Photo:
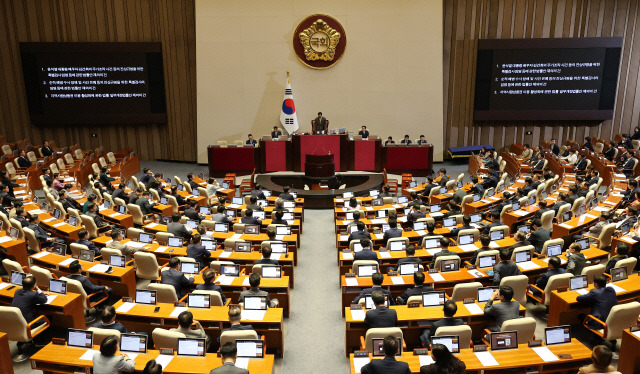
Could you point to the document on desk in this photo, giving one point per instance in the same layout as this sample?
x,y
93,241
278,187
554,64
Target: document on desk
x,y
4,285
114,215
40,254
99,268
521,213
344,238
474,308
275,256
475,273
359,362
351,282
545,354
436,214
234,206
397,280
611,203
50,298
152,225
36,211
245,281
67,261
601,209
242,362
368,208
582,291
177,310
437,277
566,225
225,254
59,224
125,307
397,206
636,333
347,256
384,254
88,355
164,360
617,288
338,200
425,360
135,244
236,236
357,314
402,219
486,359
49,219
224,280
4,239
378,221
132,356
468,247
433,251
252,315
528,265
562,261
161,249
280,237
421,232
494,245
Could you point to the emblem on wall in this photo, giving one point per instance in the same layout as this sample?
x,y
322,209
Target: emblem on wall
x,y
319,41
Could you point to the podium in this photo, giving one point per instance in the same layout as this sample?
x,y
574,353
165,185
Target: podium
x,y
319,166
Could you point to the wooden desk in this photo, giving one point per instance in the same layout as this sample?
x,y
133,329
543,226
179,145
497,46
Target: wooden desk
x,y
121,220
142,318
63,359
629,361
564,309
16,249
64,310
6,364
122,280
523,357
64,231
414,320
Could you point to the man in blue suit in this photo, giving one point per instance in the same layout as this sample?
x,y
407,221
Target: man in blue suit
x,y
601,299
450,308
28,297
388,365
175,277
197,251
366,253
377,279
381,316
75,268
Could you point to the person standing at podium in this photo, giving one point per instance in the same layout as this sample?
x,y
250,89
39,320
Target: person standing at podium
x,y
320,124
364,132
275,134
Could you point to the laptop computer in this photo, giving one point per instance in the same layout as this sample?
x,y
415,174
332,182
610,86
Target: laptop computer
x,y
283,230
504,340
145,238
190,267
496,235
369,304
221,227
435,208
278,247
515,206
491,192
385,227
524,228
377,202
475,218
402,199
465,239
209,245
348,216
237,200
366,270
164,200
347,195
57,213
252,229
566,216
484,293
289,204
230,270
14,233
374,193
431,243
73,220
58,286
230,213
487,261
204,210
255,303
175,241
523,256
271,271
258,215
191,347
243,247
87,255
17,278
122,209
557,335
145,297
118,261
476,198
413,184
397,246
421,225
619,274
433,298
378,347
449,222
408,269
578,282
452,342
79,338
191,223
554,250
382,213
196,300
584,243
133,343
449,265
225,185
251,348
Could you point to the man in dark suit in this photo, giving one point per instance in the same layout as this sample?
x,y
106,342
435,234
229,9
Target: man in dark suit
x,y
573,190
285,195
622,252
364,132
393,231
83,238
495,222
105,179
534,156
275,134
249,219
506,200
155,183
197,251
554,269
192,183
627,167
539,163
251,140
422,140
28,297
476,188
253,204
192,213
601,299
521,241
119,193
320,124
450,308
562,197
466,225
414,214
366,253
554,147
491,162
108,320
581,165
135,196
266,258
485,240
42,236
505,268
381,316
21,216
175,277
207,277
428,186
258,192
539,235
176,228
444,245
97,219
23,161
410,259
75,268
46,150
360,233
442,173
418,288
376,279
388,365
179,199
143,203
147,174
406,140
593,177
505,310
235,316
543,209
228,352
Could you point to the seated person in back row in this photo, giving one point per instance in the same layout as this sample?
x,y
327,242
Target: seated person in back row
x,y
417,290
250,140
249,219
381,316
235,316
554,269
388,365
466,225
253,204
360,233
266,258
376,279
393,231
108,320
192,213
83,238
278,220
622,252
601,299
286,195
450,308
444,244
190,327
505,268
505,310
175,277
366,253
485,240
410,259
197,251
406,140
178,229
208,276
254,282
75,268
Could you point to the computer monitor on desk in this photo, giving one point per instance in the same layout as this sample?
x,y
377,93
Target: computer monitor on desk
x,y
496,235
619,274
190,267
484,293
202,301
431,243
504,340
557,335
466,239
134,343
378,347
369,304
191,347
408,269
58,286
79,338
523,256
487,261
250,348
145,238
449,265
397,246
366,270
230,270
433,298
146,297
554,250
452,342
578,282
255,303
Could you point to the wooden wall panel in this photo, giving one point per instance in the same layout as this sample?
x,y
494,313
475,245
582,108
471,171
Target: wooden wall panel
x,y
466,21
171,22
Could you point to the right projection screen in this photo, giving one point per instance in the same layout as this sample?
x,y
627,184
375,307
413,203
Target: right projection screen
x,y
547,79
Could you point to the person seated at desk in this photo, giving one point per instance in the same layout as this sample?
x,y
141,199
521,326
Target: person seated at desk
x,y
626,141
75,268
428,187
414,214
627,167
46,150
526,152
476,188
278,219
175,277
630,192
253,204
623,156
212,186
450,308
103,227
386,191
47,175
466,225
458,195
494,217
208,277
185,324
58,182
137,194
554,148
521,241
352,205
257,191
538,163
538,235
27,298
363,132
444,362
491,162
144,204
393,231
381,316
554,269
21,216
119,193
155,182
228,352
192,213
418,288
147,174
42,236
485,240
442,174
453,210
601,299
406,140
389,141
410,259
505,268
576,260
360,233
377,279
542,204
266,258
572,158
431,228
178,229
251,140
107,362
320,124
179,199
562,200
596,229
389,364
444,245
622,252
105,179
286,195
197,251
601,357
83,238
609,151
108,320
276,133
366,253
506,200
534,156
100,188
422,140
254,282
581,164
249,219
235,316
23,161
152,367
192,183
505,310
220,217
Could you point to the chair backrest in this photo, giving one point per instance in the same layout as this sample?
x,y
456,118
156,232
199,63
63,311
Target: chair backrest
x,y
188,188
380,333
13,324
233,335
399,239
146,265
10,168
354,267
547,220
42,275
529,248
575,209
475,232
555,281
108,252
90,225
76,287
33,243
5,220
526,327
10,265
622,316
78,154
519,285
238,227
136,212
592,271
163,237
6,149
215,265
100,334
166,339
504,228
467,199
61,164
505,209
68,158
31,156
134,233
76,248
629,263
564,208
18,226
487,253
215,298
111,157
75,213
439,259
549,242
165,293
605,235
463,332
463,291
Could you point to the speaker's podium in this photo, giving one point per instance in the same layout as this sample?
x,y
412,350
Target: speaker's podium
x,y
319,166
